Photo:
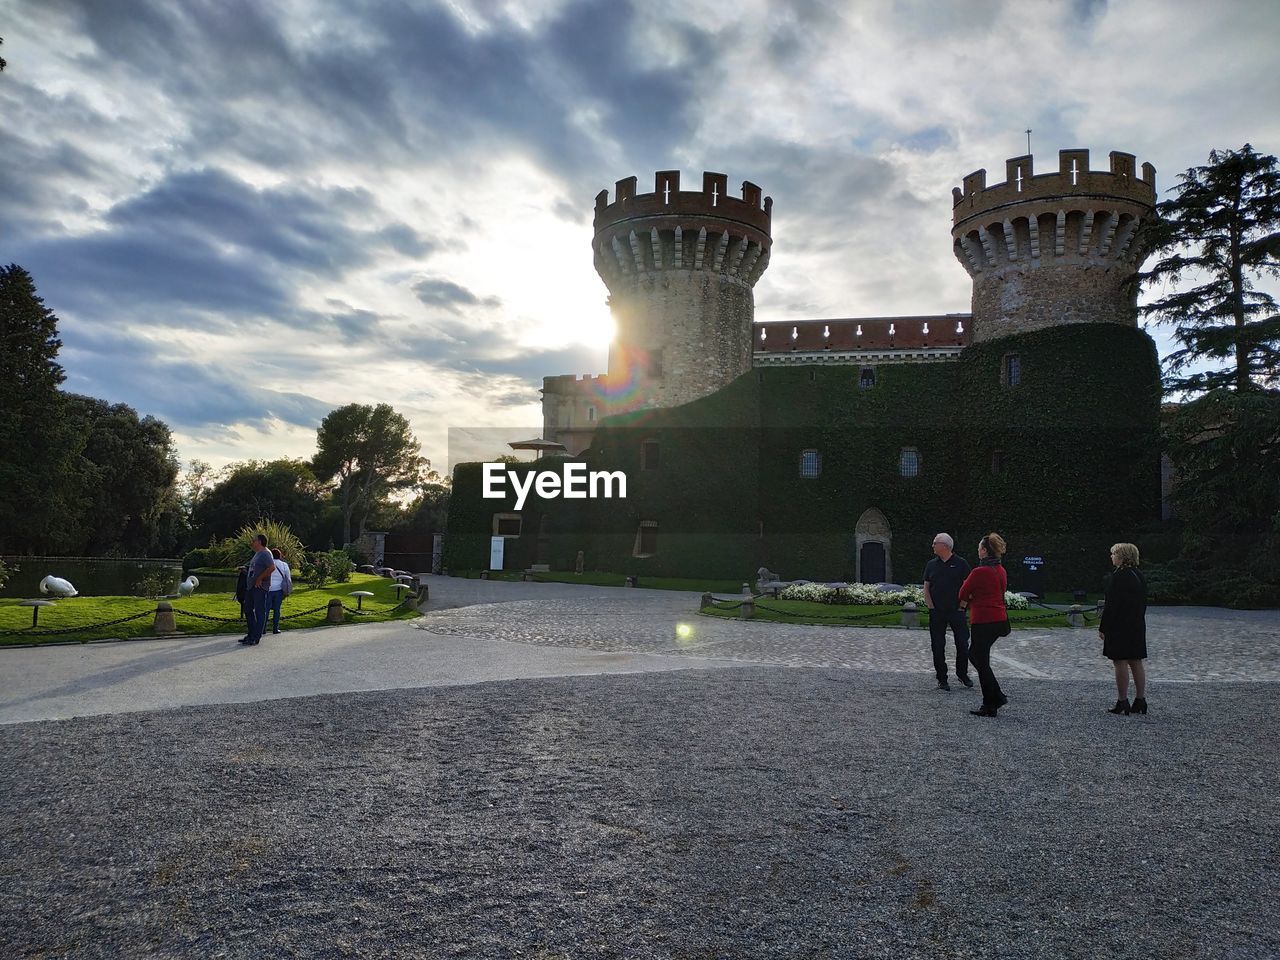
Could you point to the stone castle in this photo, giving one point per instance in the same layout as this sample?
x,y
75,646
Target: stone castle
x,y
1043,250
833,449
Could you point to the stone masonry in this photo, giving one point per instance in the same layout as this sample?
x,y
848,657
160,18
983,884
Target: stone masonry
x,y
1052,249
680,267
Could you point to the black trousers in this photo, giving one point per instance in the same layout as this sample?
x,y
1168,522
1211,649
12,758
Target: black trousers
x,y
939,620
984,637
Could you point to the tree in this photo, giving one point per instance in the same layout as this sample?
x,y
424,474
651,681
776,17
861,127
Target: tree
x,y
285,491
1222,231
371,451
428,512
37,444
127,495
1222,227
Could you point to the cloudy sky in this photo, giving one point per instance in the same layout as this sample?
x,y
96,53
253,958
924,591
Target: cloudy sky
x,y
248,213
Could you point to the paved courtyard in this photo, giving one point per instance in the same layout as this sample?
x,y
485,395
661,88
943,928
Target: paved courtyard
x,y
538,770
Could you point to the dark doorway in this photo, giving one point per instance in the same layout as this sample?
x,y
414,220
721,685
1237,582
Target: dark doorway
x,y
872,562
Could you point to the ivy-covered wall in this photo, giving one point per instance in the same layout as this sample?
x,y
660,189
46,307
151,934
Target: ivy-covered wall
x,y
1077,437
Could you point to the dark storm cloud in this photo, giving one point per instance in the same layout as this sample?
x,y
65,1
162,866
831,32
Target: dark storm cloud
x,y
181,392
409,80
437,292
204,240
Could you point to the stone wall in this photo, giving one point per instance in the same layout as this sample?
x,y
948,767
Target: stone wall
x,y
683,334
1021,297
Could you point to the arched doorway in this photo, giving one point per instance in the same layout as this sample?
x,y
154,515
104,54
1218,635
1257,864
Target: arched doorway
x,y
873,542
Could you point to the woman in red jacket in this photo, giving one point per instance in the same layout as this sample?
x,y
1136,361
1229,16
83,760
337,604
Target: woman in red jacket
x,y
983,595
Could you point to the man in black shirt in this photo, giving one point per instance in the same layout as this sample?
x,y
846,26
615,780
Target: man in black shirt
x,y
943,576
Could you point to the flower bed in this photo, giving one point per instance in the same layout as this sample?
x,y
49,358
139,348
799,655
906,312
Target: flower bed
x,y
868,594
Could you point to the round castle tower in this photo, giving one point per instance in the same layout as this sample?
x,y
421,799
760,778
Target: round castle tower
x,y
1052,249
680,267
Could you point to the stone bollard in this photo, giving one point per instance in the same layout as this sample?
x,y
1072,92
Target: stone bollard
x,y
579,563
747,610
746,589
335,613
631,582
424,594
484,574
707,601
1074,617
910,615
164,618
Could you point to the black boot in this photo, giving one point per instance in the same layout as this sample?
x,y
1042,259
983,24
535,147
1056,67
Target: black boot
x,y
984,711
1139,705
1122,706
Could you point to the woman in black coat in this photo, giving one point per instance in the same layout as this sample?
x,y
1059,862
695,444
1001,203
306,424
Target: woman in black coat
x,y
242,591
1124,628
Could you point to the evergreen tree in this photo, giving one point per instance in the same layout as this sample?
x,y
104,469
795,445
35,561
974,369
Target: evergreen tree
x,y
372,452
1222,229
38,453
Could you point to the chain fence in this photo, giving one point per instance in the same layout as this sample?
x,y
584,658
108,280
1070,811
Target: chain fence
x,y
405,601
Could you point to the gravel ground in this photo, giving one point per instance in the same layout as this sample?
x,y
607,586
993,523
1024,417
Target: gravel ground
x,y
752,812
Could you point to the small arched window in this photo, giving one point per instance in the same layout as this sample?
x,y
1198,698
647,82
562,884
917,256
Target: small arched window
x,y
591,414
867,378
909,462
810,464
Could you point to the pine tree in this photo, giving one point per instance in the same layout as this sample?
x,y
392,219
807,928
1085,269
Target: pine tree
x,y
1221,229
38,447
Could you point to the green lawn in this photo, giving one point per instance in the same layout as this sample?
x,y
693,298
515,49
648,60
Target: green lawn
x,y
597,578
861,615
213,598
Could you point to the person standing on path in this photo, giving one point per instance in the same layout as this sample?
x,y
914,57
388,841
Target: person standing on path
x,y
259,576
1123,629
280,586
982,593
943,576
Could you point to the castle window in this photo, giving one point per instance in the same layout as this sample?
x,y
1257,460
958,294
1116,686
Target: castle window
x,y
760,377
909,462
813,376
867,378
655,364
1011,370
810,464
591,414
507,525
997,462
649,455
646,544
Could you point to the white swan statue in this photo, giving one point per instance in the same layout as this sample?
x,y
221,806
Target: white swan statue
x,y
58,587
188,586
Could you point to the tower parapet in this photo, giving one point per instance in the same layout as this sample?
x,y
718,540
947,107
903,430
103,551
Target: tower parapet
x,y
1056,248
681,266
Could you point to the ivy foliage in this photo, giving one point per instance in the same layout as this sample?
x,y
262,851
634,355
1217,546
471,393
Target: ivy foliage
x,y
1079,434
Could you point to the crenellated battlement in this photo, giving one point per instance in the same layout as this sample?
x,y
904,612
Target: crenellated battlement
x,y
1054,248
669,201
1073,179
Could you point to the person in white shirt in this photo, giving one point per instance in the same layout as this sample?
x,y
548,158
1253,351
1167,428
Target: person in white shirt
x,y
281,586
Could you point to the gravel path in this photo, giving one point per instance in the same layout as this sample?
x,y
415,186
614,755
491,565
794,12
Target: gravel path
x,y
752,812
